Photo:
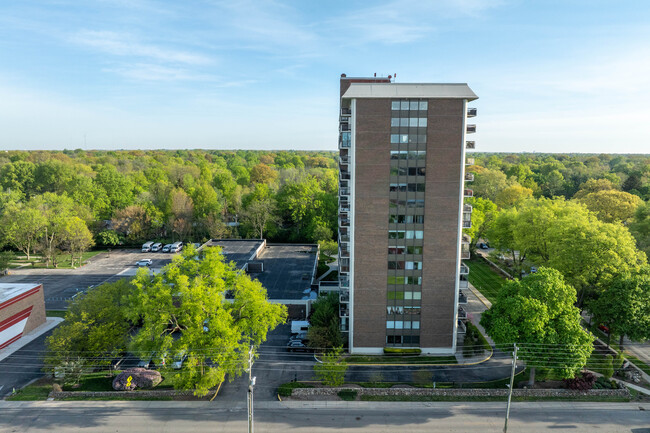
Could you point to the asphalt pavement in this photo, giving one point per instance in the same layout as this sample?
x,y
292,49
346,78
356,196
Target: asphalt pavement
x,y
316,417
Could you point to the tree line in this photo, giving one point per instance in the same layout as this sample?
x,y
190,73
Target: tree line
x,y
68,201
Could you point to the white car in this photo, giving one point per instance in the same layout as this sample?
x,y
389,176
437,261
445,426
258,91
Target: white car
x,y
144,262
156,247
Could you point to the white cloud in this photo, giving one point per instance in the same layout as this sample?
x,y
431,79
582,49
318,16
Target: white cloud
x,y
128,46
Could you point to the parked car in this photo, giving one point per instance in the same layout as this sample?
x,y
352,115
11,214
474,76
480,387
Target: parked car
x,y
604,328
156,247
298,346
179,358
176,247
144,262
166,248
483,246
146,247
533,269
146,361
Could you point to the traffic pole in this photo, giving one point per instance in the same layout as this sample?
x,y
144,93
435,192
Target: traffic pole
x,y
512,383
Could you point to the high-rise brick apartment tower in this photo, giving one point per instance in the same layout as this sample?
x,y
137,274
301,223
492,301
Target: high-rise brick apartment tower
x,y
401,213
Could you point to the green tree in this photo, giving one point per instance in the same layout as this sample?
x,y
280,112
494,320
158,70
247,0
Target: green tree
x,y
612,206
538,314
594,185
624,306
6,257
259,214
483,213
205,308
95,328
108,238
512,195
22,226
640,227
331,370
489,183
324,326
76,238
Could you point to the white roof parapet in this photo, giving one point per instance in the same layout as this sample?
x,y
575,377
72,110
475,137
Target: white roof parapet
x,y
410,90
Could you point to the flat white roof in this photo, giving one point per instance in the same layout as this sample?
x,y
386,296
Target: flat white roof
x,y
410,90
11,290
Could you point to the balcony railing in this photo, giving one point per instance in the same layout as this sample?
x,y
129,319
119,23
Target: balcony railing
x,y
471,129
466,239
344,175
471,112
345,139
344,208
344,238
348,111
344,191
344,222
470,145
465,254
469,161
462,298
467,208
344,269
462,314
345,127
344,295
464,269
467,224
344,311
468,193
469,177
344,327
461,327
463,284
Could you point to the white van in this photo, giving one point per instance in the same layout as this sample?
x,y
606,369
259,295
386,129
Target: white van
x,y
176,247
298,326
156,247
146,247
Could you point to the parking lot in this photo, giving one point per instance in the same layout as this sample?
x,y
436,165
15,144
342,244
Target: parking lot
x,y
61,285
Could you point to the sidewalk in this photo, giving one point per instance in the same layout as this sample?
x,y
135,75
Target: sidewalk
x,y
50,323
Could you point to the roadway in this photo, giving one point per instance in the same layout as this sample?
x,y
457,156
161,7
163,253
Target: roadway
x,y
316,417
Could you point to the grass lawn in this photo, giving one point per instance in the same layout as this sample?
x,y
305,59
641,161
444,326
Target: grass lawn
x,y
38,390
63,262
55,313
484,278
99,381
393,359
614,345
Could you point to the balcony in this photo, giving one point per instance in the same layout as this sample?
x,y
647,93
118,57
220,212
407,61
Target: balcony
x,y
470,145
471,112
344,251
464,252
344,191
344,283
463,284
345,140
344,160
344,175
464,269
467,224
344,311
462,314
470,129
469,177
461,327
344,238
344,327
468,193
344,222
344,296
462,298
469,161
348,112
467,208
345,127
466,239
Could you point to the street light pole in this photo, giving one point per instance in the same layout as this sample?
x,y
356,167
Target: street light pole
x,y
512,383
251,384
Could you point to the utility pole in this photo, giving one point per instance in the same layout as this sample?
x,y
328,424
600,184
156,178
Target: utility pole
x,y
512,383
251,384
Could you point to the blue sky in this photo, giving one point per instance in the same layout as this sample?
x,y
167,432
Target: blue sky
x,y
552,76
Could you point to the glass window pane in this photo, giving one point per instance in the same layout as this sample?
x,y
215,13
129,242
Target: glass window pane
x,y
408,295
415,325
390,324
394,138
424,105
404,121
404,138
422,122
417,295
405,105
414,105
398,324
395,105
394,121
413,122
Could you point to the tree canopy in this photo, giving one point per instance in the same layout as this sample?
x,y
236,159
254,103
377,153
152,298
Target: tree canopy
x,y
206,309
538,314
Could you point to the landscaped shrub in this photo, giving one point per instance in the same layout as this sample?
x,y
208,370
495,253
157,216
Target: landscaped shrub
x,y
583,382
608,367
286,389
400,351
134,378
602,383
347,395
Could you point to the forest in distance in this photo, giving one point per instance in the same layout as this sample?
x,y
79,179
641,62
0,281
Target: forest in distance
x,y
65,201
